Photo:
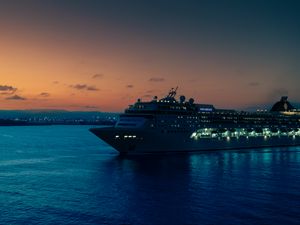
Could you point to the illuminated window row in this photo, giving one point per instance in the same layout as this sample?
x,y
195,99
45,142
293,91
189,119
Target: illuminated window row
x,y
218,133
125,136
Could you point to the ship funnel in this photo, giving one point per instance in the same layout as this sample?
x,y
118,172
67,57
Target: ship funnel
x,y
282,106
284,98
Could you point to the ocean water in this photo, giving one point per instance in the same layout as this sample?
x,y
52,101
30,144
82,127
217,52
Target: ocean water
x,y
65,175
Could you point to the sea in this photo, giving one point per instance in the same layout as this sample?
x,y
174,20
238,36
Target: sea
x,y
66,175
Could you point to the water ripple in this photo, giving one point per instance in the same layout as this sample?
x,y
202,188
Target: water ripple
x,y
64,175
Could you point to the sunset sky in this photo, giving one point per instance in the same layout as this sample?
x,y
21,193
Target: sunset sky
x,y
103,55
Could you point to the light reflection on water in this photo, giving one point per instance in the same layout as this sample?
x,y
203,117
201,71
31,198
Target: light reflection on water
x,y
63,174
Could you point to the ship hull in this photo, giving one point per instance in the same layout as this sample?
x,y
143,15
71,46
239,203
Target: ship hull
x,y
140,141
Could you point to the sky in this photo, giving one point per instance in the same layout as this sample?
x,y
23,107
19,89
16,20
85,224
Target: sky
x,y
102,55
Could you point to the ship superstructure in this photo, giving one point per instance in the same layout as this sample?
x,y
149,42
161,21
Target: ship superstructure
x,y
171,125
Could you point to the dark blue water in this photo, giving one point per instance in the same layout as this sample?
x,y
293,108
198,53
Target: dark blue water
x,y
65,175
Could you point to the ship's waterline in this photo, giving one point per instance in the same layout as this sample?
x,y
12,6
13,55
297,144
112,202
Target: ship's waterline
x,y
140,141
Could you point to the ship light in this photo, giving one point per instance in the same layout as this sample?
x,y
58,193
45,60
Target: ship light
x,y
193,135
125,136
117,136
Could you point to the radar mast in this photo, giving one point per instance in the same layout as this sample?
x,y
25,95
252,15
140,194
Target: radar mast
x,y
172,92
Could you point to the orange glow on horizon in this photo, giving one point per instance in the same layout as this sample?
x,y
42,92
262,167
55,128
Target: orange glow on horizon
x,y
66,60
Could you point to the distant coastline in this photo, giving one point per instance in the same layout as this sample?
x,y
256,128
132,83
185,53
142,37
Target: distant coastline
x,y
55,117
25,123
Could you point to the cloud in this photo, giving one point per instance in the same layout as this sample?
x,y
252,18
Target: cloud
x,y
44,94
156,79
77,106
97,75
91,107
15,97
84,87
129,86
150,91
6,90
92,88
254,84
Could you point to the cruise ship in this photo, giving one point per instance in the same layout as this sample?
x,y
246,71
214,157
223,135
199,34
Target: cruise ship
x,y
178,125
